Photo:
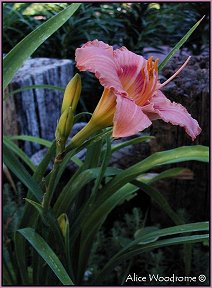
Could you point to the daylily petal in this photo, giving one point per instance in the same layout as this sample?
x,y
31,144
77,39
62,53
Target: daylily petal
x,y
97,57
172,112
129,118
129,70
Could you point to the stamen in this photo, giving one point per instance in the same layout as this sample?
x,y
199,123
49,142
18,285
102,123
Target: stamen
x,y
150,80
176,73
156,64
149,67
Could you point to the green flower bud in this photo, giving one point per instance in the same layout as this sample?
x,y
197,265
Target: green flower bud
x,y
72,94
63,224
64,126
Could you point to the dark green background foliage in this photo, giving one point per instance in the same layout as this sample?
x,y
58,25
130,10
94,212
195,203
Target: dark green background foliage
x,y
159,261
134,25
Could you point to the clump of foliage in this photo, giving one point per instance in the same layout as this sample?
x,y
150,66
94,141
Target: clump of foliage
x,y
159,261
12,208
136,25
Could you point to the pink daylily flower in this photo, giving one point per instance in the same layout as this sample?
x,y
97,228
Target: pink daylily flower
x,y
132,98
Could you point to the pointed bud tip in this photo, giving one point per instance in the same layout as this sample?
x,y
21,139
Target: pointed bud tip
x,y
72,93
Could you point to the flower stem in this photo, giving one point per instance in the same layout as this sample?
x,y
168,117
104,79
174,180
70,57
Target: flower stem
x,y
50,189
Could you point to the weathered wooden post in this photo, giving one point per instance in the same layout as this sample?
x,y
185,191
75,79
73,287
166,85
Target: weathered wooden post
x,y
36,111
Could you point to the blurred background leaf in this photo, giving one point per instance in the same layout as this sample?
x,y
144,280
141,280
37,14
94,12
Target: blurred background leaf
x,y
137,26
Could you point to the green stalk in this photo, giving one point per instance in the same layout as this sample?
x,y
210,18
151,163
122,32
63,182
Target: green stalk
x,y
51,187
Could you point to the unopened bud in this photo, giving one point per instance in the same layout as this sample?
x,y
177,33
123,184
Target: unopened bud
x,y
72,93
64,126
64,224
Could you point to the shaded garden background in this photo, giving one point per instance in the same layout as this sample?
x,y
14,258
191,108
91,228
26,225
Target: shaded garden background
x,y
143,28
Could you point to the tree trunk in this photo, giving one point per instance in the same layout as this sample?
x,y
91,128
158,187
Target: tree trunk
x,y
35,112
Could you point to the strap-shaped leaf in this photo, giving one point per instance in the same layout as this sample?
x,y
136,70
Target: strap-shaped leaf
x,y
29,217
179,172
110,194
178,45
45,251
160,200
49,220
69,192
15,58
32,139
97,216
135,247
131,142
8,275
69,152
118,190
13,147
105,162
181,154
81,115
138,250
19,170
25,88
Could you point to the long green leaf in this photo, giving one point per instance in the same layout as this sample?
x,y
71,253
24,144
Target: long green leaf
x,y
105,162
112,188
25,88
41,169
81,115
185,153
138,250
7,273
69,155
15,58
178,172
131,142
34,139
19,170
118,190
13,147
64,226
97,216
135,247
83,258
44,250
178,45
30,216
170,231
160,200
49,220
101,135
21,256
69,192
87,209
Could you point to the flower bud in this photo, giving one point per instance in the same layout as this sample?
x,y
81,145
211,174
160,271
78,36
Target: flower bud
x,y
102,117
64,126
63,224
72,94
